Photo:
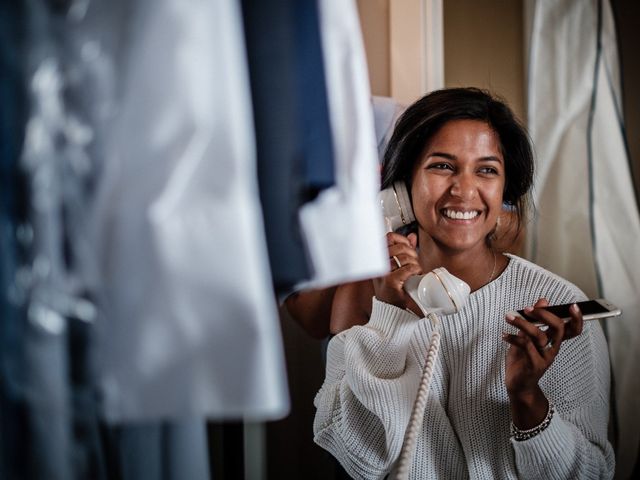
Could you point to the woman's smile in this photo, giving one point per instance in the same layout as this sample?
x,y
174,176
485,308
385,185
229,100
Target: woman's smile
x,y
465,216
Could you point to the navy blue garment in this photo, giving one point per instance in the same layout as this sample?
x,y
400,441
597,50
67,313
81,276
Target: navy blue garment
x,y
315,138
270,41
13,211
269,36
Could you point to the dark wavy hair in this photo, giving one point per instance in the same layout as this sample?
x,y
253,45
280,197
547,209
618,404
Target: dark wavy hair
x,y
422,120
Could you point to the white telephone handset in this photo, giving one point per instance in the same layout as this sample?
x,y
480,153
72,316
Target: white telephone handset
x,y
436,292
396,206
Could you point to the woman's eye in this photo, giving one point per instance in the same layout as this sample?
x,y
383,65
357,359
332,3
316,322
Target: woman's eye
x,y
440,166
489,170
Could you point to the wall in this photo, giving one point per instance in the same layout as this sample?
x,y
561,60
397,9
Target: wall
x,y
374,17
483,47
627,15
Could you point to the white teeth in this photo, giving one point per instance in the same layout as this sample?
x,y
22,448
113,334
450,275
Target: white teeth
x,y
460,215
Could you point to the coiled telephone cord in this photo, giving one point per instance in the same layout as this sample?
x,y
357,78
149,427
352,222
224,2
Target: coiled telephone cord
x,y
417,413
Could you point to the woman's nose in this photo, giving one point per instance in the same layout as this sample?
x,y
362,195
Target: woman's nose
x,y
463,187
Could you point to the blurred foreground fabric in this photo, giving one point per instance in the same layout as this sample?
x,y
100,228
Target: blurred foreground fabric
x,y
139,289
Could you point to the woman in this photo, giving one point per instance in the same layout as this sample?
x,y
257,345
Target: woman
x,y
507,399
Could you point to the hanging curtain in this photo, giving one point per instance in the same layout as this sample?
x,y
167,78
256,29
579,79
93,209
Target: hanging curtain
x,y
587,223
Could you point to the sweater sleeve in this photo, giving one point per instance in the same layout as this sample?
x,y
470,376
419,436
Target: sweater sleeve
x,y
575,444
364,404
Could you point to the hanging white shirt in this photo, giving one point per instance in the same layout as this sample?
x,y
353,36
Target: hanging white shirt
x,y
189,324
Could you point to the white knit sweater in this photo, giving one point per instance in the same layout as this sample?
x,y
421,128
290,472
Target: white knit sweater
x,y
373,372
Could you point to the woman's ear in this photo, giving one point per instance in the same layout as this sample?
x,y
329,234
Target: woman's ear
x,y
413,240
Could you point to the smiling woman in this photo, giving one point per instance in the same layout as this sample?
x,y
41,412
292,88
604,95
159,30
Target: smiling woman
x,y
508,400
457,190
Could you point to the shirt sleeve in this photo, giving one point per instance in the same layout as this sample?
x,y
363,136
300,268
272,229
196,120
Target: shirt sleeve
x,y
575,444
364,404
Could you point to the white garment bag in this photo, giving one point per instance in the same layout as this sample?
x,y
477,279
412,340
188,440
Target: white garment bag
x,y
189,321
343,226
587,227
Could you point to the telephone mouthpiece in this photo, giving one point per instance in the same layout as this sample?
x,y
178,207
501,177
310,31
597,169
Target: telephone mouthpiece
x,y
440,290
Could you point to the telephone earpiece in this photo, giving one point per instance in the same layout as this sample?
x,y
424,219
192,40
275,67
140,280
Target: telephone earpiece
x,y
396,206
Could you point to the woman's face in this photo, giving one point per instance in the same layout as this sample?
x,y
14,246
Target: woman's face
x,y
457,185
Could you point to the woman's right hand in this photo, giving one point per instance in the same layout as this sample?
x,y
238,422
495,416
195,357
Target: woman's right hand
x,y
389,287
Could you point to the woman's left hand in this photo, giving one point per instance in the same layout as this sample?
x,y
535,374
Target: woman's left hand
x,y
533,350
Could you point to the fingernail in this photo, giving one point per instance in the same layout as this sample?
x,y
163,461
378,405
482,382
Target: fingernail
x,y
510,318
528,309
575,308
505,335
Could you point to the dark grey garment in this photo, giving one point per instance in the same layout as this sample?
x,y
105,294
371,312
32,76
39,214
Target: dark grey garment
x,y
158,451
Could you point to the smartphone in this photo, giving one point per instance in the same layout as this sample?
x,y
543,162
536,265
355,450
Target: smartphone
x,y
591,310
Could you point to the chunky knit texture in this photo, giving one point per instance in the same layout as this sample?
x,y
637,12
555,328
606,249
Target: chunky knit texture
x,y
373,372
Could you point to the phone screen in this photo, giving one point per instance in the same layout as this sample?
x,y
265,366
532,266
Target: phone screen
x,y
587,308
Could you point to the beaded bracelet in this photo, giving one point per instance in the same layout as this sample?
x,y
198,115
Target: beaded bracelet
x,y
522,435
